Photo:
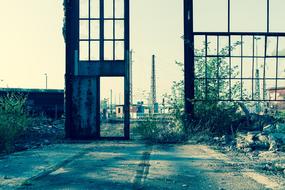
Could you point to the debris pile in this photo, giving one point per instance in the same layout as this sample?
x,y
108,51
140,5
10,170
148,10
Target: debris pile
x,y
40,134
271,138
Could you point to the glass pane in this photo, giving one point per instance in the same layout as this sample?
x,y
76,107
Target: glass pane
x,y
199,44
119,50
281,68
236,49
281,46
270,69
108,9
94,51
236,67
95,9
271,46
84,51
108,51
247,48
84,29
210,16
95,29
108,29
277,15
224,45
247,89
259,46
84,9
247,67
212,45
119,30
248,16
119,5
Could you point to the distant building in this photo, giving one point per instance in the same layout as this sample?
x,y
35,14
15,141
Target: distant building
x,y
120,111
40,101
277,94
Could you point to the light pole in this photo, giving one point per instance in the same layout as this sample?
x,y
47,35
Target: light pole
x,y
46,80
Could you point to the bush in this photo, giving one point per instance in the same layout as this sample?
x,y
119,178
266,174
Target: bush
x,y
13,120
161,130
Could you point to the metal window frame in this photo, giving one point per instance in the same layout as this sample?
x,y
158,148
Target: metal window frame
x,y
189,57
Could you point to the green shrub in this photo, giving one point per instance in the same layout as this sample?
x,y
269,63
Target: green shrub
x,y
161,130
13,119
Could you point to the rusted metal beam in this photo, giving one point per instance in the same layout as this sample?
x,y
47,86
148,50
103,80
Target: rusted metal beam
x,y
188,58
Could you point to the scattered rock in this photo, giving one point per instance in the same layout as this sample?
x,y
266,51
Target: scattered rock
x,y
280,128
279,166
247,150
269,129
7,177
262,138
46,142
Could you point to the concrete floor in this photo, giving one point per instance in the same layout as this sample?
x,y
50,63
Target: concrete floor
x,y
118,165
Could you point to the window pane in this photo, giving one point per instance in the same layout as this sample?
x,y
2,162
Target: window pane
x,y
281,46
95,29
247,46
210,16
236,49
108,29
119,9
119,29
84,29
84,51
84,7
95,9
94,51
248,16
108,50
119,50
281,68
212,45
108,8
224,45
270,69
271,46
277,15
259,45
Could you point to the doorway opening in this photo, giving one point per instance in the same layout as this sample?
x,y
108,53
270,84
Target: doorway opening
x,y
112,104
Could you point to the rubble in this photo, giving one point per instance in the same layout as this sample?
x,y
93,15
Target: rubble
x,y
41,134
270,138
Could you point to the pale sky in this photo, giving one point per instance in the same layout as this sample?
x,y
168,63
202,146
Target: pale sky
x,y
31,41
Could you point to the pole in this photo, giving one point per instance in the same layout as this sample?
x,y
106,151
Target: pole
x,y
257,83
111,102
188,59
46,80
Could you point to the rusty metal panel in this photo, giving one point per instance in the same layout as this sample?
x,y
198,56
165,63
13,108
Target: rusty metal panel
x,y
98,69
84,106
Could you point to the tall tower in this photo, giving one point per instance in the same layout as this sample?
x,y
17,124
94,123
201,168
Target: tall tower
x,y
257,80
153,85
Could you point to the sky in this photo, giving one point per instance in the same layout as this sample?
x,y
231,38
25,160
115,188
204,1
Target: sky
x,y
31,42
